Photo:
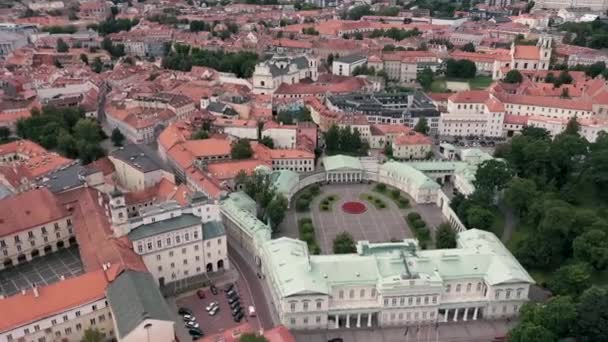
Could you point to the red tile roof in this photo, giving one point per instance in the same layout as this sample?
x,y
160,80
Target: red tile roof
x,y
28,210
470,96
527,52
412,138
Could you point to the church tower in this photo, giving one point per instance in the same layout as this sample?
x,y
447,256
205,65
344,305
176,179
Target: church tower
x,y
545,49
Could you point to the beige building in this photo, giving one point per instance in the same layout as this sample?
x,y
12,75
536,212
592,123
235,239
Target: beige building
x,y
411,145
135,170
32,224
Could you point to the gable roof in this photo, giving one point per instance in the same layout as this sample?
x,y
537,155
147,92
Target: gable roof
x,y
135,297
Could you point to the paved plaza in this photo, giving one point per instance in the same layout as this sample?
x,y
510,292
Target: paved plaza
x,y
43,270
375,225
478,331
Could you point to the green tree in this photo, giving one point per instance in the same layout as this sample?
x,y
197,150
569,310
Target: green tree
x,y
445,236
468,47
332,138
479,217
267,141
97,65
248,337
425,78
529,332
573,127
492,175
241,149
87,130
519,194
84,58
592,310
344,244
422,126
592,247
276,210
388,150
200,134
117,137
92,335
66,144
513,76
5,134
571,280
62,46
357,12
460,68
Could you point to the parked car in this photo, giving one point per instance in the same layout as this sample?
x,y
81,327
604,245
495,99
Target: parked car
x,y
192,324
252,311
235,304
337,339
233,299
238,317
237,311
184,311
214,311
200,293
189,318
231,293
229,287
196,332
211,306
213,289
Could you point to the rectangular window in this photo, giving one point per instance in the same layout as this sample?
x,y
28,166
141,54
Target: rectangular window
x,y
78,327
187,237
68,331
53,322
292,307
159,243
319,303
77,313
178,239
305,306
65,318
92,321
195,235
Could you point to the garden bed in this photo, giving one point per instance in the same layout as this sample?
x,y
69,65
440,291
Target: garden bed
x,y
354,207
306,233
375,201
327,203
420,230
394,194
305,197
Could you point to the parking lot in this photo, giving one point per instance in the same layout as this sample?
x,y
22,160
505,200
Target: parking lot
x,y
43,270
223,319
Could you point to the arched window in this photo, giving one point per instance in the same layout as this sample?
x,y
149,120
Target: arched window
x,y
469,287
448,288
458,288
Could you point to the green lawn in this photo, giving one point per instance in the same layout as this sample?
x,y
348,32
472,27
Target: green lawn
x,y
479,82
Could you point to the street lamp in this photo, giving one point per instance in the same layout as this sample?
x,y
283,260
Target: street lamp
x,y
147,326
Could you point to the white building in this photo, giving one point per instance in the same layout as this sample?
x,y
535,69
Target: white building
x,y
283,136
178,242
344,66
270,74
595,5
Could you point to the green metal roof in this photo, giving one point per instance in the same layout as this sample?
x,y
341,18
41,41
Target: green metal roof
x,y
213,229
284,180
418,178
341,162
160,227
134,297
241,209
425,166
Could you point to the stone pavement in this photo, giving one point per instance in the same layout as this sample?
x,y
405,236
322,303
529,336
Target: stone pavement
x,y
478,331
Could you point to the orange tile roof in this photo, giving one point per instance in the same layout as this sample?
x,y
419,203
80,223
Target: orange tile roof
x,y
470,96
52,299
29,209
516,119
412,138
527,52
390,129
229,170
208,147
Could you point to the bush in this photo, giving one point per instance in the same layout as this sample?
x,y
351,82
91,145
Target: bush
x,y
306,228
324,208
302,204
381,187
315,189
313,248
306,195
396,193
309,237
382,205
404,201
330,198
305,220
413,216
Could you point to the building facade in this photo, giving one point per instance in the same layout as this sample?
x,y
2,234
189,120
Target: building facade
x,y
269,75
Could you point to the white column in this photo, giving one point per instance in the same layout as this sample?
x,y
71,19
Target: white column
x,y
348,320
475,313
445,317
455,315
369,320
359,320
466,311
337,321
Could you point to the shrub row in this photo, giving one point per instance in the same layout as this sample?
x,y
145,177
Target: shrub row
x,y
419,228
394,194
306,196
307,234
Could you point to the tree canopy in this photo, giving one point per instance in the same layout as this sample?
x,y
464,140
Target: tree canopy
x,y
513,76
182,58
345,141
344,244
462,68
445,236
241,149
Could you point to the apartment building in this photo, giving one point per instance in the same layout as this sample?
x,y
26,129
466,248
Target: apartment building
x,y
295,160
595,5
135,170
344,66
403,66
411,145
32,224
283,136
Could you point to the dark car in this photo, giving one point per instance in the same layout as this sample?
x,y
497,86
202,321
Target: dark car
x,y
214,289
196,332
235,304
184,311
236,311
238,317
233,299
337,339
229,287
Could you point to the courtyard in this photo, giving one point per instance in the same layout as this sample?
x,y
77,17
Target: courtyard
x,y
41,271
375,224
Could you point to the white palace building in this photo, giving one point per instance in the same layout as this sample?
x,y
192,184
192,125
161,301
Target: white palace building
x,y
383,284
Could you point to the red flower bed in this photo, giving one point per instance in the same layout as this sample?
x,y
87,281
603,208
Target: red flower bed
x,y
354,207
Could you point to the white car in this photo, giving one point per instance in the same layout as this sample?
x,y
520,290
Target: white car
x,y
188,318
213,311
192,324
251,311
212,306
